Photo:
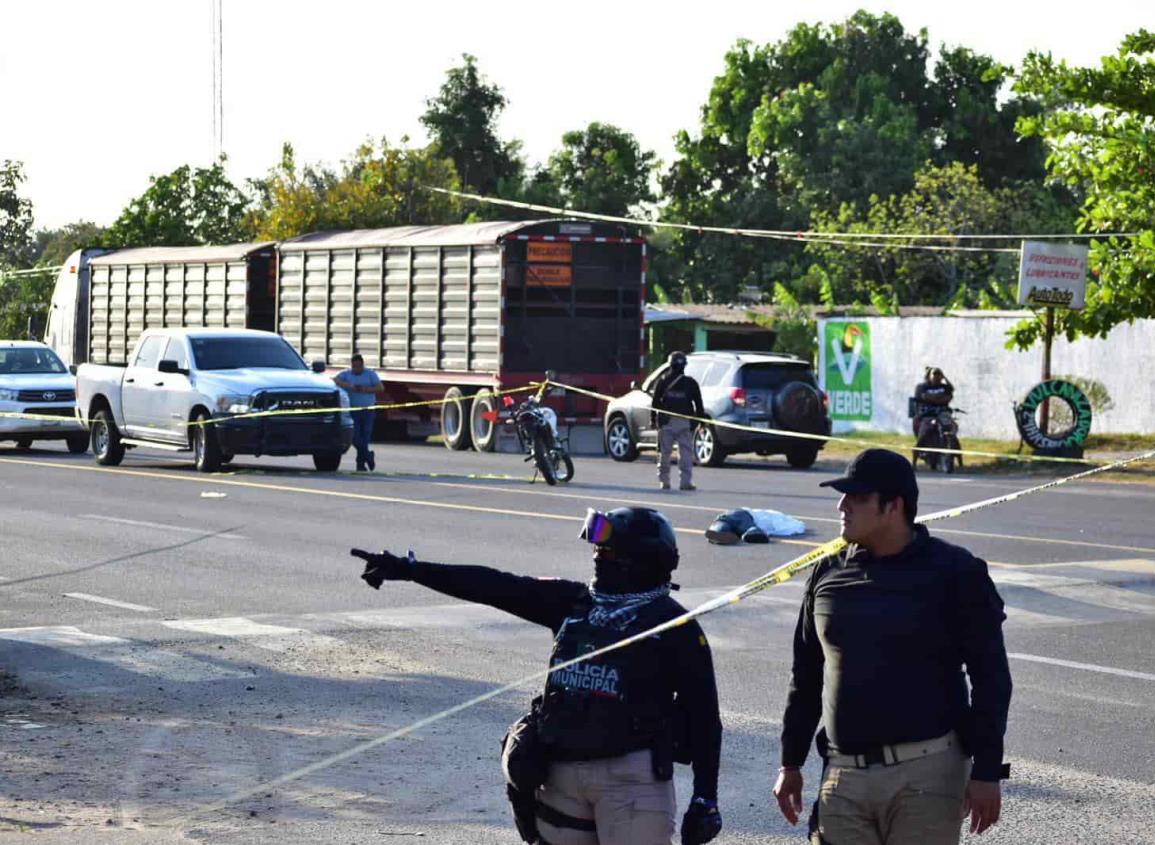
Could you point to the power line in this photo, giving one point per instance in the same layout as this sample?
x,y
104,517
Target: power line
x,y
858,239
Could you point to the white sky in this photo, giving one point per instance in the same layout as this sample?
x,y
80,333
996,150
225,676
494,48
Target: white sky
x,y
98,96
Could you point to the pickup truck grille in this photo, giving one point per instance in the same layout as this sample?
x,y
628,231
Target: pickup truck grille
x,y
277,400
51,412
46,396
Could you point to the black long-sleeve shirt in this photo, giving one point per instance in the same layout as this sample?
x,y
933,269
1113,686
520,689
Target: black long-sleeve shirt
x,y
678,393
548,601
879,652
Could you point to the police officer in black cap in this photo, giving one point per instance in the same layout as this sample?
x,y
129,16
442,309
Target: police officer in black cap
x,y
883,636
675,391
609,728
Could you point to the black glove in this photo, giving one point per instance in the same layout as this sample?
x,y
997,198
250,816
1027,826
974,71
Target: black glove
x,y
384,566
702,822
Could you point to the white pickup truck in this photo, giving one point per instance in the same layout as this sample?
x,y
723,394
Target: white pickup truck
x,y
179,379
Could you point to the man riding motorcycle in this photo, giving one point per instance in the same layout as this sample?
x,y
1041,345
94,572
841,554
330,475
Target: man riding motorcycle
x,y
931,396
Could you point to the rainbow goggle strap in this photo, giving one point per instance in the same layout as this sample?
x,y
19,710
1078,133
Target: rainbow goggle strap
x,y
597,528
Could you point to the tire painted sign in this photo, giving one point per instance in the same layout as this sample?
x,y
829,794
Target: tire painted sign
x,y
1071,437
847,372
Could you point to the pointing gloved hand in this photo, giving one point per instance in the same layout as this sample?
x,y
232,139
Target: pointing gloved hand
x,y
702,822
384,566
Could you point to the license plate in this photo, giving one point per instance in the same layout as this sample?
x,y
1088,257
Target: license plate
x,y
760,423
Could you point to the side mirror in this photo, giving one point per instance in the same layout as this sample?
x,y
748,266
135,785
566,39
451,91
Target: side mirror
x,y
72,369
633,385
169,366
318,367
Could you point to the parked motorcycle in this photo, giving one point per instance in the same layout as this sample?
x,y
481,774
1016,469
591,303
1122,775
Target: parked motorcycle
x,y
537,433
939,431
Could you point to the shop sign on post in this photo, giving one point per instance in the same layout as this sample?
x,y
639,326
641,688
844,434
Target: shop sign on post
x,y
1053,275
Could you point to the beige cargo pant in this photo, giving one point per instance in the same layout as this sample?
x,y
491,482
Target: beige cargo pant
x,y
628,805
914,803
676,431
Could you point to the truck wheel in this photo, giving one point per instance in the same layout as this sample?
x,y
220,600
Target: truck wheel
x,y
206,447
483,420
327,461
106,443
77,443
455,419
23,442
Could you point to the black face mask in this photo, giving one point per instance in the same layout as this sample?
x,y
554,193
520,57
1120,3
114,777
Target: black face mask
x,y
616,574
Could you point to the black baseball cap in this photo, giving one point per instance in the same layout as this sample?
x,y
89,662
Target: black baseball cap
x,y
879,471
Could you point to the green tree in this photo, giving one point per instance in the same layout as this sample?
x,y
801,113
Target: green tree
x,y
1099,124
15,216
51,247
379,186
951,201
603,169
462,122
832,115
186,207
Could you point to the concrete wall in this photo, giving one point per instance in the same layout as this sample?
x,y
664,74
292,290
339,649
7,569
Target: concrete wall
x,y
988,378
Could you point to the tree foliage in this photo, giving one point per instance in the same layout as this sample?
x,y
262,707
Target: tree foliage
x,y
381,185
1099,124
462,122
191,205
600,168
15,216
832,117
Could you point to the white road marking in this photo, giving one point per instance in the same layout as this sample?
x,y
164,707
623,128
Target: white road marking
x,y
269,637
162,526
140,658
1082,590
111,602
1086,667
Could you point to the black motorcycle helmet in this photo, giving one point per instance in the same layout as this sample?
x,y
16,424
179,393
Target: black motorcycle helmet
x,y
635,549
677,361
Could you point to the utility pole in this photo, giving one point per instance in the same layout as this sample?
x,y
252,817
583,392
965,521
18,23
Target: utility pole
x,y
216,7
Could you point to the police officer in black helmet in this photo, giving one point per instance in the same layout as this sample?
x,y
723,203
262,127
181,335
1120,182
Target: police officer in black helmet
x,y
610,728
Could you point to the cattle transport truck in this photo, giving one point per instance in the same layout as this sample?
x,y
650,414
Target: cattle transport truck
x,y
452,313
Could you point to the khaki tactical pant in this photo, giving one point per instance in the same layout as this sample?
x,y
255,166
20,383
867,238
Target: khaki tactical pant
x,y
679,431
620,795
914,803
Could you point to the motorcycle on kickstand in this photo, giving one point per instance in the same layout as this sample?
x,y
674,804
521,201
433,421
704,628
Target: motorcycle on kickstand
x,y
939,430
536,427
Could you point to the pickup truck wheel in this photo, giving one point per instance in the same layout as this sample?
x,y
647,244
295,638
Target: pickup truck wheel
x,y
77,443
801,457
455,419
106,443
23,442
327,461
206,447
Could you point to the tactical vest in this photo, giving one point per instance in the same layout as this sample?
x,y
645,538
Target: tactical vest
x,y
614,704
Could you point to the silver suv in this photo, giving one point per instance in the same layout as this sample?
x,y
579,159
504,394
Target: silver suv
x,y
753,389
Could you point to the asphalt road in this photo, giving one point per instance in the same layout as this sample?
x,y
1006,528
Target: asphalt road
x,y
172,639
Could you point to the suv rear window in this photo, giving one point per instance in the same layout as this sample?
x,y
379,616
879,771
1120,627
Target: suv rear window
x,y
774,376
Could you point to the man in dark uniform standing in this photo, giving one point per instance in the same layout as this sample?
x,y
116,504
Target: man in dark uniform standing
x,y
612,726
680,393
884,633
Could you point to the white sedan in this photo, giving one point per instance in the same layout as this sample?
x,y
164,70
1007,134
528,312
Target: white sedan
x,y
37,397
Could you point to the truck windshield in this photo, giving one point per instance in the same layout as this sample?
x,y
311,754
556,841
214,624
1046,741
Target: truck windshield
x,y
236,353
17,360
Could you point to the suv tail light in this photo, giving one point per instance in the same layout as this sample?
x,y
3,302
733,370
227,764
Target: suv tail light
x,y
738,396
825,399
